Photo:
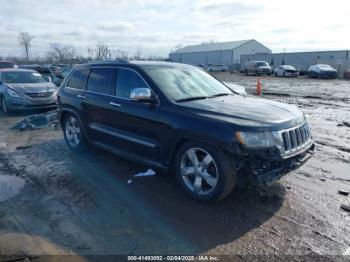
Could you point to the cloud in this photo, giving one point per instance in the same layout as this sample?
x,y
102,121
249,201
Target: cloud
x,y
115,26
158,25
233,8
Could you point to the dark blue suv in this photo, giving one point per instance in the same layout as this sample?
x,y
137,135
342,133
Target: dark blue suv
x,y
179,119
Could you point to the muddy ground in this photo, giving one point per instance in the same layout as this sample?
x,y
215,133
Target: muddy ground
x,y
59,202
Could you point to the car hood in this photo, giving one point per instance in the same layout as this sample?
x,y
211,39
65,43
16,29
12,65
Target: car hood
x,y
246,111
33,87
264,67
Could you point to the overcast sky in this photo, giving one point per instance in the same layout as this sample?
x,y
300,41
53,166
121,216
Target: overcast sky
x,y
156,26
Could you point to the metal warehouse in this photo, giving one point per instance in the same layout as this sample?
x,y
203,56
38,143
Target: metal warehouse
x,y
226,53
303,60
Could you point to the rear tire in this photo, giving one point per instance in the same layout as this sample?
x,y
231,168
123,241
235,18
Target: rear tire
x,y
4,106
204,172
74,134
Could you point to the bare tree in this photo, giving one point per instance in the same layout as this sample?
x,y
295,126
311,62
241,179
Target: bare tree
x,y
25,40
120,54
100,52
61,53
138,54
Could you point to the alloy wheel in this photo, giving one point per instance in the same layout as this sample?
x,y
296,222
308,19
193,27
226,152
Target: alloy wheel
x,y
199,171
73,133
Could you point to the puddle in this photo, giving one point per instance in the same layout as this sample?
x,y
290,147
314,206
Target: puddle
x,y
10,186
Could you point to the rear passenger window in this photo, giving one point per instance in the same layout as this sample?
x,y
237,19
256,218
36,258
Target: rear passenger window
x,y
100,80
128,80
78,79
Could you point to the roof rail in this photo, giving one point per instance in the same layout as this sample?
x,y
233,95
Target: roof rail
x,y
108,61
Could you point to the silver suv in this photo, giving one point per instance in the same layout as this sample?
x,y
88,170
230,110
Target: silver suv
x,y
258,68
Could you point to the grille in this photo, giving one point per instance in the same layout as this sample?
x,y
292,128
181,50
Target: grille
x,y
296,138
40,95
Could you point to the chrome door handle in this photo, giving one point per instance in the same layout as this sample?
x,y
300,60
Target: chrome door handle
x,y
115,104
81,96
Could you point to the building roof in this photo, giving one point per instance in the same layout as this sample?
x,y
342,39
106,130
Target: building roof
x,y
212,46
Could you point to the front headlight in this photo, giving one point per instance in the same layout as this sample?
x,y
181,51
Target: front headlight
x,y
12,93
260,139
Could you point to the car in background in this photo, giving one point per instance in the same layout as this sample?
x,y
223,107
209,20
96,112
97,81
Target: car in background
x,y
46,71
22,89
7,64
216,68
347,74
322,71
61,74
286,70
258,68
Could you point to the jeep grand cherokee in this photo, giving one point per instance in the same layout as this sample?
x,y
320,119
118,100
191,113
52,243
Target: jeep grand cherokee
x,y
179,119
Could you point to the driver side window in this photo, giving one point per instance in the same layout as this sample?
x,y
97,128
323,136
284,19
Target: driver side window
x,y
128,80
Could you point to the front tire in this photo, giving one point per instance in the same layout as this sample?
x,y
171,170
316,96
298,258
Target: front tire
x,y
204,172
74,134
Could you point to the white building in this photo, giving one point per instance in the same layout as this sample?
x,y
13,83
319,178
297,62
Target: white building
x,y
227,53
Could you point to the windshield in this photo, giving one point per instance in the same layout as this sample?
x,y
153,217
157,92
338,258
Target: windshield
x,y
186,83
288,67
22,77
6,64
262,64
325,67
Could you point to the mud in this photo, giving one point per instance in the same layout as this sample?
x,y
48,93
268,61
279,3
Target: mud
x,y
82,203
10,186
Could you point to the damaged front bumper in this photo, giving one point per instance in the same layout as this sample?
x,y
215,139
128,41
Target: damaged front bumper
x,y
268,165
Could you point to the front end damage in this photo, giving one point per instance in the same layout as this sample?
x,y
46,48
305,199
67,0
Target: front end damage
x,y
265,164
268,166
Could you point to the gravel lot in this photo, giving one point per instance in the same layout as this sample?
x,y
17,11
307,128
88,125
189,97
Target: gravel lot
x,y
55,202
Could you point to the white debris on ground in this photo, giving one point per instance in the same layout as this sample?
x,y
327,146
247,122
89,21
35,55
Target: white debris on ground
x,y
149,172
347,252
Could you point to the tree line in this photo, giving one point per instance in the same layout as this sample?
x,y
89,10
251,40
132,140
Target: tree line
x,y
68,54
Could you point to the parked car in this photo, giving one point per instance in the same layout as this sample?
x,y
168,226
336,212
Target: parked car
x,y
178,118
216,68
322,71
347,74
60,75
258,68
22,89
286,70
7,64
46,71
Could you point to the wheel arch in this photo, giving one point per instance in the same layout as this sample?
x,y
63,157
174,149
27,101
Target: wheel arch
x,y
181,140
66,111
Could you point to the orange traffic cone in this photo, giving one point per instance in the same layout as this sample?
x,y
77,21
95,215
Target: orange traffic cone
x,y
258,88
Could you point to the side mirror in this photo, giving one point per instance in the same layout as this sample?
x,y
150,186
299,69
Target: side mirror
x,y
141,95
49,79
